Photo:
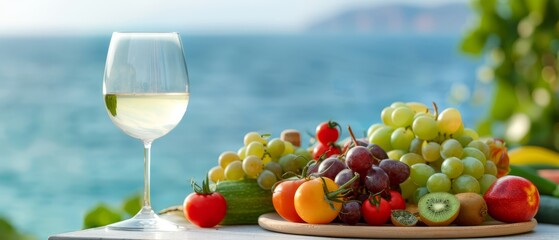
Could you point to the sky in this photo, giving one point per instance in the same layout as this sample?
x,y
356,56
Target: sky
x,y
208,16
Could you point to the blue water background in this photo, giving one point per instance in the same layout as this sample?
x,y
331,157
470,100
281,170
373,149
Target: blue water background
x,y
60,153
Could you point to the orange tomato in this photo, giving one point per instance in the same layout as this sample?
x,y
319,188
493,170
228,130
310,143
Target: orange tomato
x,y
312,204
283,200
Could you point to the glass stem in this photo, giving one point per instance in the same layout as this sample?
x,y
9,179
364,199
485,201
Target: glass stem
x,y
147,159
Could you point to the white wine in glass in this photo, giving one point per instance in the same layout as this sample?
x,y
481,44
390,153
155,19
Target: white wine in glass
x,y
146,94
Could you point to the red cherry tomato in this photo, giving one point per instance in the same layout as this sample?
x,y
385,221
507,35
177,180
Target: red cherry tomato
x,y
326,150
203,207
376,211
396,200
327,132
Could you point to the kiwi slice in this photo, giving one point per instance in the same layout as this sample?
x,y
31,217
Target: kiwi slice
x,y
473,209
403,218
438,208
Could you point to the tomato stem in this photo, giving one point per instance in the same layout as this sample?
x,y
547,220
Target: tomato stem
x,y
333,124
204,190
374,199
334,196
344,186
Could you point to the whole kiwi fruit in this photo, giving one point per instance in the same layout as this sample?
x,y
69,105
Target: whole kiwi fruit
x,y
473,209
438,208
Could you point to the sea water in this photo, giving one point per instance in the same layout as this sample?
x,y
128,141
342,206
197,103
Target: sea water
x,y
60,154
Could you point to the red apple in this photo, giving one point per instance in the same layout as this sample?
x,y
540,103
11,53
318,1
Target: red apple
x,y
512,199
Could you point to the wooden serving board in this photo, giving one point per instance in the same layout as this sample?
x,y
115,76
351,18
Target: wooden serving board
x,y
273,222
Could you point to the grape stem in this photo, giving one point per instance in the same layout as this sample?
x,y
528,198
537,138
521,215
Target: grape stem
x,y
353,139
436,109
352,135
265,135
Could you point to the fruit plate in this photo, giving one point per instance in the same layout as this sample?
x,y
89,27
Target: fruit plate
x,y
273,222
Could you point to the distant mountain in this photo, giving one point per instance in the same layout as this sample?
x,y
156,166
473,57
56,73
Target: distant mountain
x,y
398,18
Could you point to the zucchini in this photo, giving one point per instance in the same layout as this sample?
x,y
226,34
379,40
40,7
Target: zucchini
x,y
549,210
545,186
246,201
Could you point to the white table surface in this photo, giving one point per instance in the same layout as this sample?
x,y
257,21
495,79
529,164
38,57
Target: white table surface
x,y
242,232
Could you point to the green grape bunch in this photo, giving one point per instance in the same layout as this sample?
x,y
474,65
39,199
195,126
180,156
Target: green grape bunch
x,y
260,158
443,155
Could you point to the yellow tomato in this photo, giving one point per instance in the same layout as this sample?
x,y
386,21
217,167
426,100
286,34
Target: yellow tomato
x,y
312,204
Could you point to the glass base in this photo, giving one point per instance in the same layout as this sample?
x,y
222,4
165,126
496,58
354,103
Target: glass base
x,y
147,221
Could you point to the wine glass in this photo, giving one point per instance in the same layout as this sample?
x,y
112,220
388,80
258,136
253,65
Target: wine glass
x,y
146,94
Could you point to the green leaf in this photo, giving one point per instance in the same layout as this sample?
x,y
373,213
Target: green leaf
x,y
6,227
503,25
9,232
474,42
110,101
484,127
518,9
504,93
537,6
132,204
101,215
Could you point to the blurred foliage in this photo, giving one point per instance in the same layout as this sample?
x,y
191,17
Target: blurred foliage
x,y
103,214
9,232
520,40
